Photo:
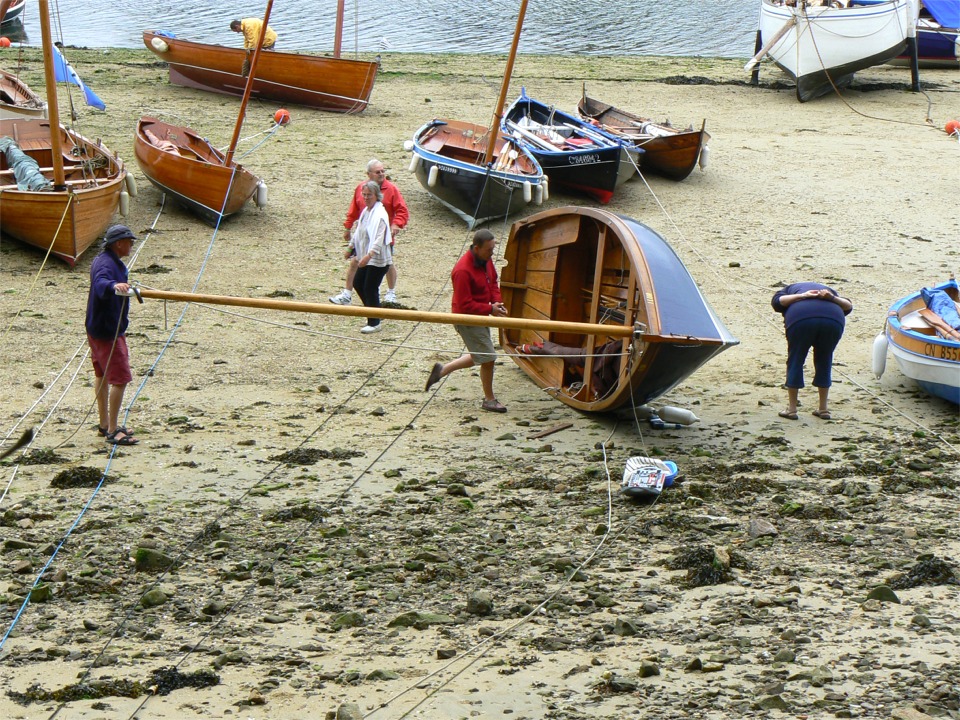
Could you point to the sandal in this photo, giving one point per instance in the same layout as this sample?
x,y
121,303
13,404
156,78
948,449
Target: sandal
x,y
102,431
435,375
493,406
788,415
823,415
121,437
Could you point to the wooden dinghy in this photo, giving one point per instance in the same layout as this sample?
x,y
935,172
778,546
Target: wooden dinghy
x,y
926,348
589,265
325,83
572,153
474,170
180,162
667,151
18,100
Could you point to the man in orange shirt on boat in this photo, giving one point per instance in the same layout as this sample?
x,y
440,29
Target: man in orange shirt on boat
x,y
250,27
398,214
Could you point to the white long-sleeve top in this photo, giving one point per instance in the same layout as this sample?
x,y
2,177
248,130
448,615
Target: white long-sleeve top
x,y
373,236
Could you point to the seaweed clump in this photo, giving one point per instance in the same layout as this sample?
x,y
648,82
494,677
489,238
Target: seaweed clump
x,y
929,570
304,511
82,476
310,456
41,456
706,565
161,682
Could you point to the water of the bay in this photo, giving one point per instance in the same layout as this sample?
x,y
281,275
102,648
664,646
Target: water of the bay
x,y
707,28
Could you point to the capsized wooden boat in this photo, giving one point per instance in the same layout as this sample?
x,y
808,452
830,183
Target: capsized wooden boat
x,y
449,161
589,265
821,45
69,220
572,153
324,83
18,100
925,349
180,162
474,170
667,150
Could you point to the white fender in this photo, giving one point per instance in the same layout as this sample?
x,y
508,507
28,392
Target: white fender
x,y
408,145
546,188
260,197
704,157
879,354
131,183
124,202
527,191
680,416
414,163
538,198
433,175
159,45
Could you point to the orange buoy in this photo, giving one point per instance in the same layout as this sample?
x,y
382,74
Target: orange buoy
x,y
281,116
4,42
952,127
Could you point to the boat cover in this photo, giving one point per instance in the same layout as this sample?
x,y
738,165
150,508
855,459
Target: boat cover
x,y
25,168
943,305
945,12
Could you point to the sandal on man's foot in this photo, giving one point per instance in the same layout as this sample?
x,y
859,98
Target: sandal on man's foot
x,y
788,415
493,406
101,431
121,437
822,414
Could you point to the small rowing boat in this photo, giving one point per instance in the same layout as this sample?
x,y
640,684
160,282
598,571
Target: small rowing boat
x,y
588,265
18,100
667,151
924,344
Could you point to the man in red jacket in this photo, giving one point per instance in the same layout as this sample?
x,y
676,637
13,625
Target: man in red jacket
x,y
398,214
476,291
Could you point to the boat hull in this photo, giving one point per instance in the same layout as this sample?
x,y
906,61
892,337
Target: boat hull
x,y
667,151
18,100
451,153
937,47
324,83
65,222
827,45
583,264
933,362
596,170
14,11
192,171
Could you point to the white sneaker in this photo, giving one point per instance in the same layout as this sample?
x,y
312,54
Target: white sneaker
x,y
390,297
367,329
344,298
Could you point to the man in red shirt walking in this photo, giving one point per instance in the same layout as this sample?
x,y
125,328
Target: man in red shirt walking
x,y
476,291
398,214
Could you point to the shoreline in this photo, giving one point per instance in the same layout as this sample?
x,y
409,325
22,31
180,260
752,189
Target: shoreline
x,y
295,582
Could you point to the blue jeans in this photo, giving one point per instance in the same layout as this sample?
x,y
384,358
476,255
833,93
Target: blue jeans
x,y
820,334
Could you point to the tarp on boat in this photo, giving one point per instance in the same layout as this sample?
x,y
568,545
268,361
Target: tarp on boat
x,y
945,12
26,171
943,305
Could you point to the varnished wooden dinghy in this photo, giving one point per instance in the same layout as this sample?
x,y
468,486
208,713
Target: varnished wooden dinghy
x,y
589,265
180,162
667,151
18,100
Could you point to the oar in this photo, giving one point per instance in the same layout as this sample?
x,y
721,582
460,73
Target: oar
x,y
395,314
25,439
770,43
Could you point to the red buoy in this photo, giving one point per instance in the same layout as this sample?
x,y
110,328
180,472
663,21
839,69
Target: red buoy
x,y
952,127
4,42
281,116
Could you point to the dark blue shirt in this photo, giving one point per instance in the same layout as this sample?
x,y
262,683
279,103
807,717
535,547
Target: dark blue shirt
x,y
809,308
107,311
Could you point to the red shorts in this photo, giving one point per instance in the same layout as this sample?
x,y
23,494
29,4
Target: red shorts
x,y
117,364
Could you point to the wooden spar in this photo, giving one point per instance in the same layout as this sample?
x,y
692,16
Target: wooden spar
x,y
228,158
770,43
505,87
53,109
394,314
338,32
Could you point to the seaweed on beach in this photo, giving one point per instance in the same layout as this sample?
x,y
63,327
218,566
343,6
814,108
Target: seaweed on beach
x,y
929,570
82,476
303,511
310,456
42,456
161,682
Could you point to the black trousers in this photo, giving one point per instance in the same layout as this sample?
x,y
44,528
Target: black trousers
x,y
367,283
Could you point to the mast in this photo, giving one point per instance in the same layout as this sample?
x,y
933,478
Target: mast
x,y
53,109
228,158
498,112
338,33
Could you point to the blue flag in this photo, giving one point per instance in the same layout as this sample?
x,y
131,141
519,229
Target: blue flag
x,y
64,72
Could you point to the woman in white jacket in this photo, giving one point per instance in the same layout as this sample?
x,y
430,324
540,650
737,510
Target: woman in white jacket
x,y
372,244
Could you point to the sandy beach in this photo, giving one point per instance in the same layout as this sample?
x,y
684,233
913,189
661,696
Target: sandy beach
x,y
341,540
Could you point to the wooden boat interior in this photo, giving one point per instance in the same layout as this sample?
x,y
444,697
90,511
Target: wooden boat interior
x,y
467,143
572,271
564,137
180,141
82,164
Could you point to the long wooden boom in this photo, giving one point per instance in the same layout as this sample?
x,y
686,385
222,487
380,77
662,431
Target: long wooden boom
x,y
394,314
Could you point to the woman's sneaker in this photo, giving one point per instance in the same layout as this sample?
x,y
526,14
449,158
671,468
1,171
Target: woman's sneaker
x,y
367,329
390,297
344,298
